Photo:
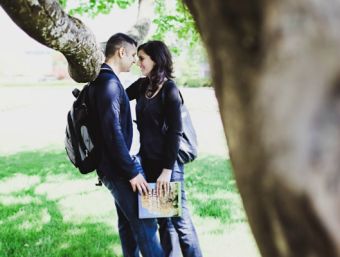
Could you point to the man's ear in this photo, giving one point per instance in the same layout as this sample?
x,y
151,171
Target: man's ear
x,y
121,51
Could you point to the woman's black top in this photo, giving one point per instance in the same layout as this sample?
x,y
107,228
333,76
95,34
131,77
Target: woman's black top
x,y
158,120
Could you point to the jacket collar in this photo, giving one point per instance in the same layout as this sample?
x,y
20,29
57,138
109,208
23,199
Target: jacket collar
x,y
105,67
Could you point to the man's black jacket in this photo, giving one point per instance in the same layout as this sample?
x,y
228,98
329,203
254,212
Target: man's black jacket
x,y
114,128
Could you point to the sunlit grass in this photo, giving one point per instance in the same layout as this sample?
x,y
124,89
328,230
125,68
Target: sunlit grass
x,y
212,190
47,208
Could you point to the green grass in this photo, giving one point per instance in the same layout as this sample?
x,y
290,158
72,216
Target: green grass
x,y
22,234
37,185
37,228
212,190
41,163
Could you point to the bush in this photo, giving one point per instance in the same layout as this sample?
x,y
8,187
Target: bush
x,y
197,82
194,82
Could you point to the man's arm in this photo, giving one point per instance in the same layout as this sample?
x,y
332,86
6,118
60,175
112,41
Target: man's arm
x,y
108,105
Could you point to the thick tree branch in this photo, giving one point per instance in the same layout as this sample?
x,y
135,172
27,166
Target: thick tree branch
x,y
46,22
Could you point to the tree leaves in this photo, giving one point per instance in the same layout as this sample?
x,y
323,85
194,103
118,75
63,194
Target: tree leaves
x,y
173,20
176,20
94,7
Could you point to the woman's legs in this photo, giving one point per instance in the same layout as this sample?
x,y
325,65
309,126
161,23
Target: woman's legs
x,y
177,232
186,231
169,238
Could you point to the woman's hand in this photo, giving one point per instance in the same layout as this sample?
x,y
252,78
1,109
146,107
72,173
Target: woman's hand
x,y
163,181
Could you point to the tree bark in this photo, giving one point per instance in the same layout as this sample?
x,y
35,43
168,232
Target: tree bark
x,y
46,22
276,74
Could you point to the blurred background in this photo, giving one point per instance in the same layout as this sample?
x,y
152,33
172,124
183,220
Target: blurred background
x,y
46,207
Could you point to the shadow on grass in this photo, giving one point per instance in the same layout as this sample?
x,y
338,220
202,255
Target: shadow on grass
x,y
33,224
37,227
39,230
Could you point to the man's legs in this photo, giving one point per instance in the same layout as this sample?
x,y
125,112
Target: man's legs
x,y
127,238
144,230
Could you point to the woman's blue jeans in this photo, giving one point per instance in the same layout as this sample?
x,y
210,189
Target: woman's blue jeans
x,y
177,234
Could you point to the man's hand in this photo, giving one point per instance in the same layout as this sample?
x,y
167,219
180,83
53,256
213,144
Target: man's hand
x,y
163,181
140,184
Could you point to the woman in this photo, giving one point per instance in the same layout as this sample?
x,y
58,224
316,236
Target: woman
x,y
159,147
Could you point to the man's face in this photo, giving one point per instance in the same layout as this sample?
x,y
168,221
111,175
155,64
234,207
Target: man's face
x,y
129,57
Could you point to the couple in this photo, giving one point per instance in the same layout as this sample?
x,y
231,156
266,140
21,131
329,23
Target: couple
x,y
121,173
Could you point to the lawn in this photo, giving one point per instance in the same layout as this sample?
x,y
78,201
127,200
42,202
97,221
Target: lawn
x,y
49,209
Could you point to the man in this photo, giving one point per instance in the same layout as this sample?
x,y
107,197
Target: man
x,y
118,171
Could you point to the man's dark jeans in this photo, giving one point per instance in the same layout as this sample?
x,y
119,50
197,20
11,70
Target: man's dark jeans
x,y
135,234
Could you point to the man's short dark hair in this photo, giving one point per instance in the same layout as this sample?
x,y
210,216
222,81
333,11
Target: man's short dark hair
x,y
117,41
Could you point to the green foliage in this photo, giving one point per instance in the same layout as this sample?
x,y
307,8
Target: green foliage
x,y
170,21
194,82
173,24
176,21
63,3
95,7
191,67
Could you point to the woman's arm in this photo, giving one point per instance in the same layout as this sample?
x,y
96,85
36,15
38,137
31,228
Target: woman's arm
x,y
133,91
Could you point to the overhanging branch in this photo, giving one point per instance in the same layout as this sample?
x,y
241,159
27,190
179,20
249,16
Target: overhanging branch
x,y
46,22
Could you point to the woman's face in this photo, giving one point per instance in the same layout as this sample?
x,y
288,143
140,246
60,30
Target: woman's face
x,y
145,63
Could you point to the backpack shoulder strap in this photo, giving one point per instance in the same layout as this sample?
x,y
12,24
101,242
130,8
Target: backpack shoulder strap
x,y
143,83
165,90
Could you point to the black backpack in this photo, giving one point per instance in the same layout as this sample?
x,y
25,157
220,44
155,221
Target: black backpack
x,y
80,141
188,142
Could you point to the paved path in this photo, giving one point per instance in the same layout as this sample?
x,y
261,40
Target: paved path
x,y
35,117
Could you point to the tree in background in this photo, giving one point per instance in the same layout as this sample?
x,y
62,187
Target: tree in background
x,y
171,21
275,69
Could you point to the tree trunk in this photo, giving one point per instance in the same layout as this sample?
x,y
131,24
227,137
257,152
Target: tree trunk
x,y
277,80
46,22
142,26
275,67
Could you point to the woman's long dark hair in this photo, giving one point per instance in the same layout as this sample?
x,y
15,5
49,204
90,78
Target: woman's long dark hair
x,y
160,54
